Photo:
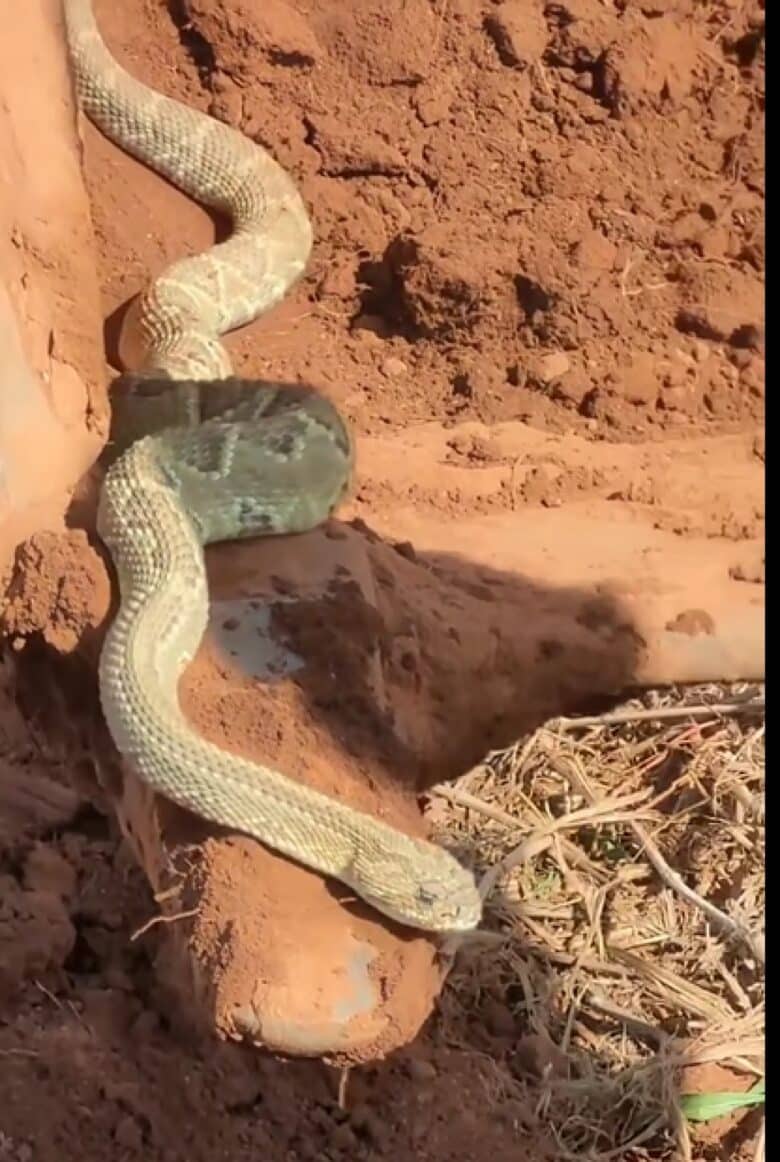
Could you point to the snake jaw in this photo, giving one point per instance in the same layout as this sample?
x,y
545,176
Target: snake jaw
x,y
438,896
453,913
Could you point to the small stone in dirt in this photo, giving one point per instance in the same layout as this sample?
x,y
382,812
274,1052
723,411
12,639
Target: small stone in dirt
x,y
145,1025
240,1089
405,549
274,29
753,572
128,1134
516,375
498,1019
702,321
657,7
421,1071
538,1056
346,154
590,406
594,251
740,357
370,327
639,379
228,106
344,1138
753,377
367,1123
432,104
572,387
518,29
305,1149
749,336
338,282
393,367
693,623
116,978
553,366
45,870
715,243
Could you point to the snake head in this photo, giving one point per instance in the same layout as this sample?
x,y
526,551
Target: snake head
x,y
424,888
452,906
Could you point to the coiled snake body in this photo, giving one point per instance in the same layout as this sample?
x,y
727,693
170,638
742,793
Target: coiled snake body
x,y
205,457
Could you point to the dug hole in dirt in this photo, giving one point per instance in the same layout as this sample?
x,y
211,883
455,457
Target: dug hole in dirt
x,y
537,295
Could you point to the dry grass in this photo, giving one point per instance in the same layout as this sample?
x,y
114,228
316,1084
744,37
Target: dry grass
x,y
622,865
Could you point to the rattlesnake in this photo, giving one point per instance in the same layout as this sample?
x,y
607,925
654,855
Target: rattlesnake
x,y
200,456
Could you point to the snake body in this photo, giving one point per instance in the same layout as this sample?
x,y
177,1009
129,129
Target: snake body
x,y
205,457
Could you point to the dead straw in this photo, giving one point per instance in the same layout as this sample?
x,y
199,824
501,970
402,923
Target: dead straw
x,y
621,858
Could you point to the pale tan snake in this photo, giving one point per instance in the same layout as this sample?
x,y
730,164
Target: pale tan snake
x,y
206,457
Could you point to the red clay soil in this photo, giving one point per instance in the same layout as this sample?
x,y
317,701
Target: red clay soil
x,y
537,294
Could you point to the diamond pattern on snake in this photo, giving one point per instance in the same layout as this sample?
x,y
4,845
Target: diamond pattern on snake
x,y
203,457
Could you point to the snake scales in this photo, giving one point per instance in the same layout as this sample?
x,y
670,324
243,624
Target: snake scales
x,y
205,457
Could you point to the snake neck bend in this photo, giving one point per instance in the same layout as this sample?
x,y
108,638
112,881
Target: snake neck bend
x,y
197,299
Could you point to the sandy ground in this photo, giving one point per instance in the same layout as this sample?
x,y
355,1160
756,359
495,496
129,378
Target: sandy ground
x,y
537,294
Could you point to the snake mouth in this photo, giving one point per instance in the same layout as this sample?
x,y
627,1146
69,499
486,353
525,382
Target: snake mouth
x,y
446,915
